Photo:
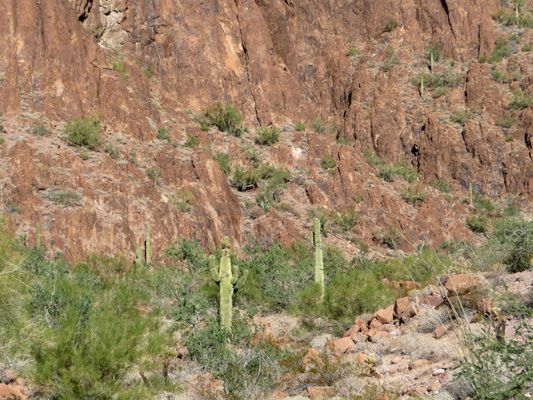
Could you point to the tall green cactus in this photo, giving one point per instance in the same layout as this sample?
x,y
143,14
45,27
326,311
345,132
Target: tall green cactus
x,y
147,244
227,277
38,243
319,262
422,86
470,199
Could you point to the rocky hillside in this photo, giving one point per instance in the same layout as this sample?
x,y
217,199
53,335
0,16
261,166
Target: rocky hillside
x,y
388,111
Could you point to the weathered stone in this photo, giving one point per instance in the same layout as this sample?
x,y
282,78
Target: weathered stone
x,y
439,332
375,324
385,315
405,308
417,364
319,392
461,283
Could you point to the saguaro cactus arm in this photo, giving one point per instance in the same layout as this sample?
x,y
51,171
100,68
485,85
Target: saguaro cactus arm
x,y
234,273
241,281
214,273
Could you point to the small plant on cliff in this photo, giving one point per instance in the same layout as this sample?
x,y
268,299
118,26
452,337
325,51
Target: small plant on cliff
x,y
520,101
328,163
120,67
66,199
245,179
84,133
153,174
390,25
224,162
300,127
226,118
267,136
413,196
192,142
460,118
40,129
478,224
501,51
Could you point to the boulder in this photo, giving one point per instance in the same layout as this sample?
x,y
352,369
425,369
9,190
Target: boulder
x,y
385,315
461,283
405,308
319,392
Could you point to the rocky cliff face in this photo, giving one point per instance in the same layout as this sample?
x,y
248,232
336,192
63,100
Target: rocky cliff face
x,y
150,65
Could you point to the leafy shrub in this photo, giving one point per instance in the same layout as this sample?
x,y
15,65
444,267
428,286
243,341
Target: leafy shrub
x,y
434,49
66,199
346,220
12,207
389,171
352,52
478,224
84,133
501,51
153,174
224,162
245,179
527,47
328,163
413,196
318,125
514,236
273,183
442,186
506,121
391,59
520,101
343,140
459,117
112,150
226,118
120,67
191,142
300,127
390,25
498,369
267,136
40,129
438,81
162,133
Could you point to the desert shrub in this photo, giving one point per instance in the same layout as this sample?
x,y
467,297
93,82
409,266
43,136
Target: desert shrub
x,y
153,174
224,162
435,81
390,25
507,121
191,142
388,172
328,163
442,186
514,236
84,133
226,118
413,196
318,125
477,224
352,52
498,369
300,127
162,133
434,49
346,220
245,179
390,59
343,140
501,51
66,199
520,101
460,118
272,185
267,136
120,67
40,129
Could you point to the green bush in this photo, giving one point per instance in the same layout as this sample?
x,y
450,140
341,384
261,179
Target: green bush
x,y
352,52
40,129
388,172
390,25
413,196
520,101
273,183
192,142
224,162
84,133
442,186
435,81
460,118
506,121
328,163
267,136
245,179
514,236
501,51
153,174
66,199
226,118
300,127
496,368
478,224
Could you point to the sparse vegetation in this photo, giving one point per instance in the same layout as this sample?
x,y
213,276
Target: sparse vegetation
x,y
352,52
226,118
328,163
84,133
459,117
66,199
245,179
501,51
40,129
120,67
390,60
390,25
153,174
414,196
300,127
389,171
267,136
224,162
520,101
478,224
192,142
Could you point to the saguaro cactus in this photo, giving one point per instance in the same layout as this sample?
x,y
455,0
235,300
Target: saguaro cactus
x,y
470,197
319,263
227,277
